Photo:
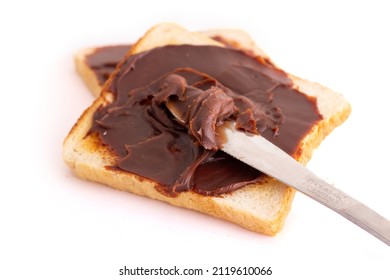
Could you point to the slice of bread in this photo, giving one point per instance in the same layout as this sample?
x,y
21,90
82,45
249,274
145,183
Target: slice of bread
x,y
260,207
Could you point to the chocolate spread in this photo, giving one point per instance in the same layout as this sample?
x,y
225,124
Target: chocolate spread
x,y
104,60
209,85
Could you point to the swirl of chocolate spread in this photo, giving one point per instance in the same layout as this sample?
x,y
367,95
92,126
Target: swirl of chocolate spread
x,y
212,84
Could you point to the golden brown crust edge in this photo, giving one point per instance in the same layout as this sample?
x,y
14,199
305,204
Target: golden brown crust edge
x,y
86,73
92,168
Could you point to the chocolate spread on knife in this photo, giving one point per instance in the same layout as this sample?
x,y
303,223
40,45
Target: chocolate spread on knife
x,y
209,85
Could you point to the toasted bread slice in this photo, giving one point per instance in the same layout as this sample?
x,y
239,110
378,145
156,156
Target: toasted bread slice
x,y
260,207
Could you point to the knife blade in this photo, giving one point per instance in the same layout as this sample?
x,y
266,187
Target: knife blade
x,y
261,154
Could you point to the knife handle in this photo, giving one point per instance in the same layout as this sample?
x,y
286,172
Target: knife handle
x,y
347,206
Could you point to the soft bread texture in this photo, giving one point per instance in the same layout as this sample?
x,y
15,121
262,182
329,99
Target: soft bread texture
x,y
261,207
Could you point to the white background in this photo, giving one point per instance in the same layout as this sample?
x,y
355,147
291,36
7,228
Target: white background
x,y
56,226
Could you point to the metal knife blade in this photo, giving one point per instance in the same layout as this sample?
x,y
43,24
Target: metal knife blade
x,y
261,154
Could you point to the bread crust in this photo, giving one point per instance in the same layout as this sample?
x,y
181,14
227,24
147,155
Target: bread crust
x,y
261,207
88,76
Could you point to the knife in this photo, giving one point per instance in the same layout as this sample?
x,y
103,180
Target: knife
x,y
264,156
261,154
